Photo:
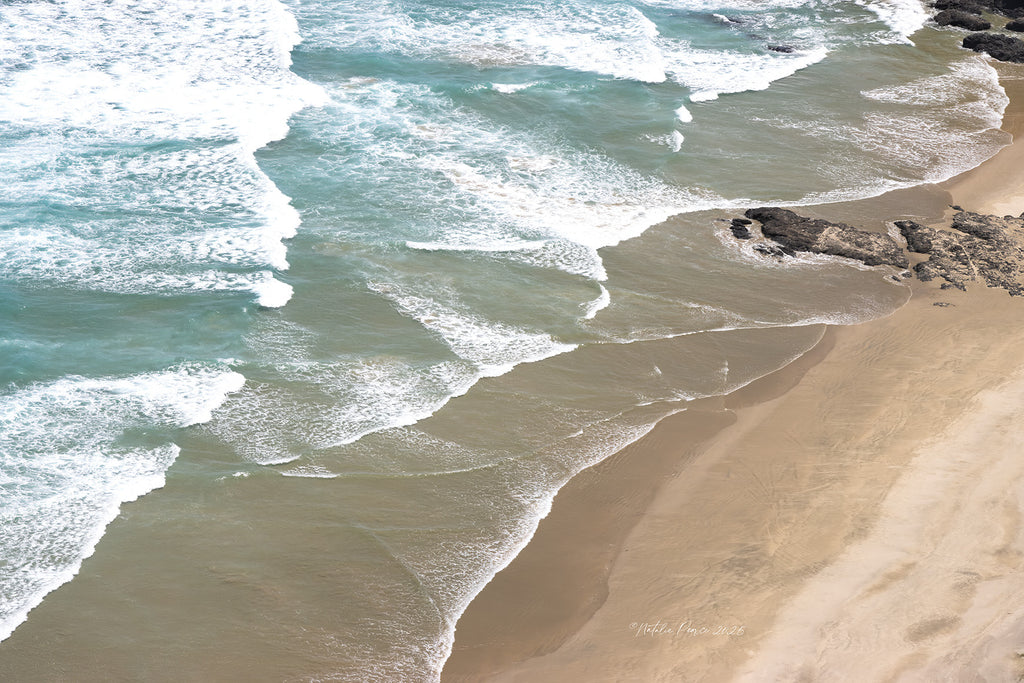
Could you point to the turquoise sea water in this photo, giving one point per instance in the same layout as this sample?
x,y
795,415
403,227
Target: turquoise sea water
x,y
382,278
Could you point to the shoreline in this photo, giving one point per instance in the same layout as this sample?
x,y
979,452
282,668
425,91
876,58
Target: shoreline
x,y
693,527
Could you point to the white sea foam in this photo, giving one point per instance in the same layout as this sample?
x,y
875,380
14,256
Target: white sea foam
x,y
561,254
718,6
677,141
322,405
67,463
510,88
615,40
62,258
904,17
272,293
493,346
309,472
683,114
156,72
524,196
944,125
591,216
533,164
709,73
971,82
597,305
318,404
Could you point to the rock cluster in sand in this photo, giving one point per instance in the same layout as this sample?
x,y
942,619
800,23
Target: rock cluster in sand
x,y
797,233
972,248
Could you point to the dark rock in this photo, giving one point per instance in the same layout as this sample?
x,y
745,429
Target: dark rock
x,y
822,237
784,49
983,227
1015,25
919,238
740,232
1002,47
1008,8
976,247
961,5
955,17
739,228
942,304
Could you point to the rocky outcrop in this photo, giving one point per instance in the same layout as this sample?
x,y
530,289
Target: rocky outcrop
x,y
965,14
960,5
1007,8
796,233
976,247
1003,47
955,17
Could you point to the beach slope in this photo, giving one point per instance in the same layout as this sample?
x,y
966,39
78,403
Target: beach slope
x,y
856,513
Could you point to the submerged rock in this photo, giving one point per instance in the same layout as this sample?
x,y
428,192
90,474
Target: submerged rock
x,y
1002,47
772,250
817,236
955,17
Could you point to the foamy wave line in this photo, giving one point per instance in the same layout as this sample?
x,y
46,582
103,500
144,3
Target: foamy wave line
x,y
225,76
596,442
597,305
511,88
904,17
348,401
494,347
589,217
711,74
67,468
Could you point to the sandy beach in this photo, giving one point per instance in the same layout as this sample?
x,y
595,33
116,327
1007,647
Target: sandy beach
x,y
856,515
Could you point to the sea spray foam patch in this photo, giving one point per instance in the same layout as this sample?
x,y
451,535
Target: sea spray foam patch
x,y
73,450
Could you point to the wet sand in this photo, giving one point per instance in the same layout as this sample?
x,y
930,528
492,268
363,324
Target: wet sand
x,y
855,515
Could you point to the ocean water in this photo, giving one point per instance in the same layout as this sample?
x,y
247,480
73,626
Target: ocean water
x,y
340,294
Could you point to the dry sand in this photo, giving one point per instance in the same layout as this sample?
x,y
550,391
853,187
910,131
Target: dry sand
x,y
855,516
